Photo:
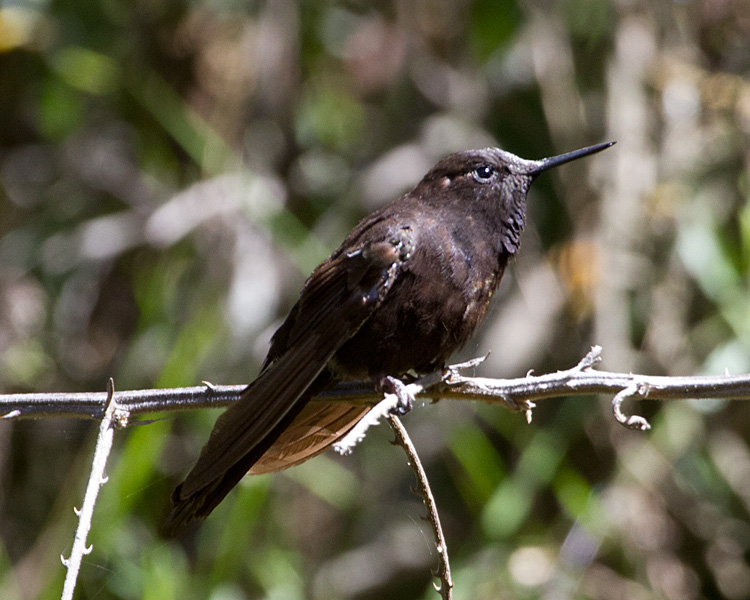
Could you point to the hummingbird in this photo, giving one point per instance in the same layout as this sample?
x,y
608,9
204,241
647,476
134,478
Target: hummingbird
x,y
406,289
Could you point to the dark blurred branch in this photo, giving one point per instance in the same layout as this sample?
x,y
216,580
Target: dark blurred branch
x,y
91,405
517,395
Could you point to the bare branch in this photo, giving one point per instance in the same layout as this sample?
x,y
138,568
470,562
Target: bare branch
x,y
443,572
114,416
91,405
517,395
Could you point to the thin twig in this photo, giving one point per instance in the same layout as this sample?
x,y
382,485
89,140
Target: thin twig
x,y
113,417
633,421
383,408
443,571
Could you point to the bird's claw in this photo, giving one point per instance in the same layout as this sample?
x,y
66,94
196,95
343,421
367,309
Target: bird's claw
x,y
391,385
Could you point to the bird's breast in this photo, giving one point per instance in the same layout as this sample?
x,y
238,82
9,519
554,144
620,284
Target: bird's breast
x,y
435,305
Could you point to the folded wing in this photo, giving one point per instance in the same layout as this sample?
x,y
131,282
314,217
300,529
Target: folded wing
x,y
337,299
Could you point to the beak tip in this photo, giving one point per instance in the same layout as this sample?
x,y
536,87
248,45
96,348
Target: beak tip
x,y
555,161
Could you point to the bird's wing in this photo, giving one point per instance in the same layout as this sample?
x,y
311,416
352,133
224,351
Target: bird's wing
x,y
337,299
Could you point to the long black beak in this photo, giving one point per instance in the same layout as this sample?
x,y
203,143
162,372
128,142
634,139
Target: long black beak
x,y
561,159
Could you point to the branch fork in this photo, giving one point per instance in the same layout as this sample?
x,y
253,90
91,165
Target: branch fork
x,y
115,417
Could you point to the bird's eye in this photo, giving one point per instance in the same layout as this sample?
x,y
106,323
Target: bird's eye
x,y
484,173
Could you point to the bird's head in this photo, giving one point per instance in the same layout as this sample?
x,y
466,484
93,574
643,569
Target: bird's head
x,y
489,186
493,173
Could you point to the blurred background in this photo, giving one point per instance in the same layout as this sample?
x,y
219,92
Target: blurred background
x,y
170,173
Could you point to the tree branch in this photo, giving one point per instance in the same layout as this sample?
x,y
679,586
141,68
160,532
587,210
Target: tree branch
x,y
517,395
114,416
443,571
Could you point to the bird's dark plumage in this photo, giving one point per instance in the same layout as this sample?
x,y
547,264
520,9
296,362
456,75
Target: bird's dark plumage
x,y
405,290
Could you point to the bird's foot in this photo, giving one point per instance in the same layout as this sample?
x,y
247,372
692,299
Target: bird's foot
x,y
391,385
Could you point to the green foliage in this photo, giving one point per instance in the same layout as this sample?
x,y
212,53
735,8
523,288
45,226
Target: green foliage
x,y
492,26
264,130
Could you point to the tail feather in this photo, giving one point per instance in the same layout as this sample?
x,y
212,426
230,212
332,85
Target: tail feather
x,y
195,505
316,428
